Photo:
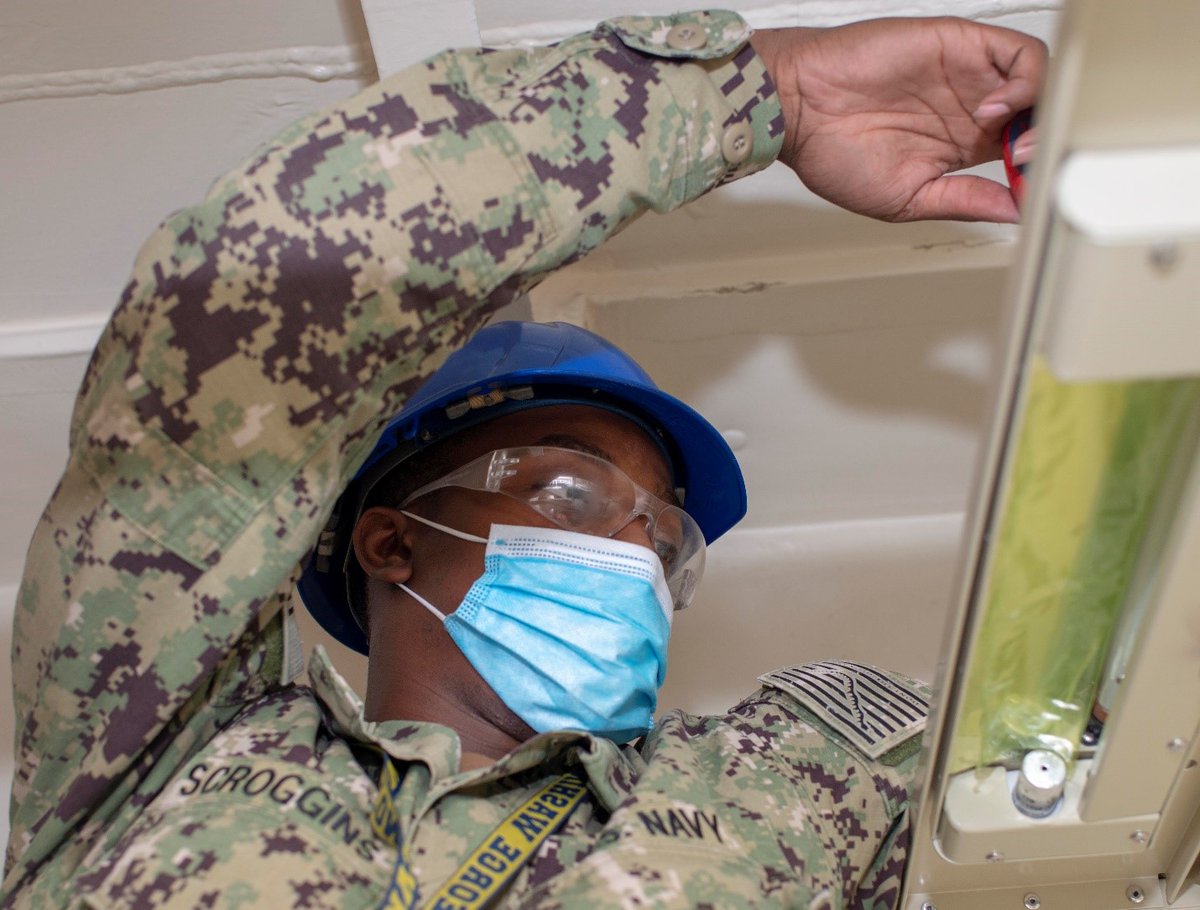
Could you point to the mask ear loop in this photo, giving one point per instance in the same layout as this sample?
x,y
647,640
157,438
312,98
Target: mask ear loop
x,y
421,600
453,532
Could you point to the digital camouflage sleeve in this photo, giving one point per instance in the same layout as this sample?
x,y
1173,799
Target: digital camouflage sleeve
x,y
262,340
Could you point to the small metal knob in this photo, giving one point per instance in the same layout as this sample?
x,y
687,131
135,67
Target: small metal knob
x,y
1040,784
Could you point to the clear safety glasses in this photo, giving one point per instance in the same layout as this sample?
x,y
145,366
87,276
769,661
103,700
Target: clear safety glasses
x,y
580,492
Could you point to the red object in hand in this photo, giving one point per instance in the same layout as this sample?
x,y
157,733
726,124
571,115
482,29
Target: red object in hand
x,y
1016,172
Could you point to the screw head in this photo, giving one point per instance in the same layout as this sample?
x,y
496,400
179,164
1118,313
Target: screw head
x,y
1139,836
1176,744
1163,256
928,906
995,857
1135,894
1032,902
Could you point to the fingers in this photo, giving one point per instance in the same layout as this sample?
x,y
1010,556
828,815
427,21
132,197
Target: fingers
x,y
962,197
1025,147
1021,59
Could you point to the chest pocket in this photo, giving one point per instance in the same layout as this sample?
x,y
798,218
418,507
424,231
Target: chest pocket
x,y
872,710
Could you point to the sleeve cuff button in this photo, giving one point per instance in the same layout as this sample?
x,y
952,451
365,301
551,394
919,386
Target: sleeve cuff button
x,y
737,143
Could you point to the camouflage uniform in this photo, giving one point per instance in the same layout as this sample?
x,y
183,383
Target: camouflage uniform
x,y
163,755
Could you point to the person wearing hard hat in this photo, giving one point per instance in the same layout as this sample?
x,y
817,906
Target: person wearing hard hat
x,y
558,594
508,532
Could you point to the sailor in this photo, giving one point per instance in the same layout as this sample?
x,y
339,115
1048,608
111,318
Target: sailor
x,y
510,533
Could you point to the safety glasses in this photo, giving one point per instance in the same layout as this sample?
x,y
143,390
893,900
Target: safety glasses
x,y
580,492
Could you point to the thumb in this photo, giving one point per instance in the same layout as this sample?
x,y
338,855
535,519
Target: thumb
x,y
962,197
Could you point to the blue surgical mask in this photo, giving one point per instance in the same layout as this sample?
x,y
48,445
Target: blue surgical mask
x,y
570,630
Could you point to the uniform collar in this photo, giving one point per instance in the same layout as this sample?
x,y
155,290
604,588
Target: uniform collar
x,y
431,744
438,747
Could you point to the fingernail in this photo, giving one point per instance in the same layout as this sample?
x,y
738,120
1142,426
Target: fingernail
x,y
992,110
1023,154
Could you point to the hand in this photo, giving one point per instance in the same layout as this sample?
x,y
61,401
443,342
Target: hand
x,y
877,114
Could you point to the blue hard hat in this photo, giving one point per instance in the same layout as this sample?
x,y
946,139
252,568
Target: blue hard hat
x,y
511,366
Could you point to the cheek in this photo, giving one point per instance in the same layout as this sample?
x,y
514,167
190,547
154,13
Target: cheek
x,y
445,568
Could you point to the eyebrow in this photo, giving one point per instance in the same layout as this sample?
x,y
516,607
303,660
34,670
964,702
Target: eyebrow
x,y
566,441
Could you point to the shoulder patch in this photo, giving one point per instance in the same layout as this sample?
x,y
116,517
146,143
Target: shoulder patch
x,y
873,710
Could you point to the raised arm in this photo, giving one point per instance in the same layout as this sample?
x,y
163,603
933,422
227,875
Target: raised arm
x,y
266,333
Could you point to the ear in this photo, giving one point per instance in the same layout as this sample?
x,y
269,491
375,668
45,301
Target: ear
x,y
383,544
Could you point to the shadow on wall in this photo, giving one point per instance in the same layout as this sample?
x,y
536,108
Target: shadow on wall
x,y
903,346
848,399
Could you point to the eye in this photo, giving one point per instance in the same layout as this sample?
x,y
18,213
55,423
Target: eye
x,y
565,499
667,552
669,541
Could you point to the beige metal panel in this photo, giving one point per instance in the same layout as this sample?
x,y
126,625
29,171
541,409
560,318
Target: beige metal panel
x,y
980,823
1099,335
1156,711
1104,44
1124,283
1143,74
1187,860
1144,893
931,877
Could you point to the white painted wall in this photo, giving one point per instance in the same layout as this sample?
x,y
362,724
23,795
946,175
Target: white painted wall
x,y
848,360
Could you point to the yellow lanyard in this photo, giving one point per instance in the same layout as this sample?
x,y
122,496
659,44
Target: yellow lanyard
x,y
497,859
